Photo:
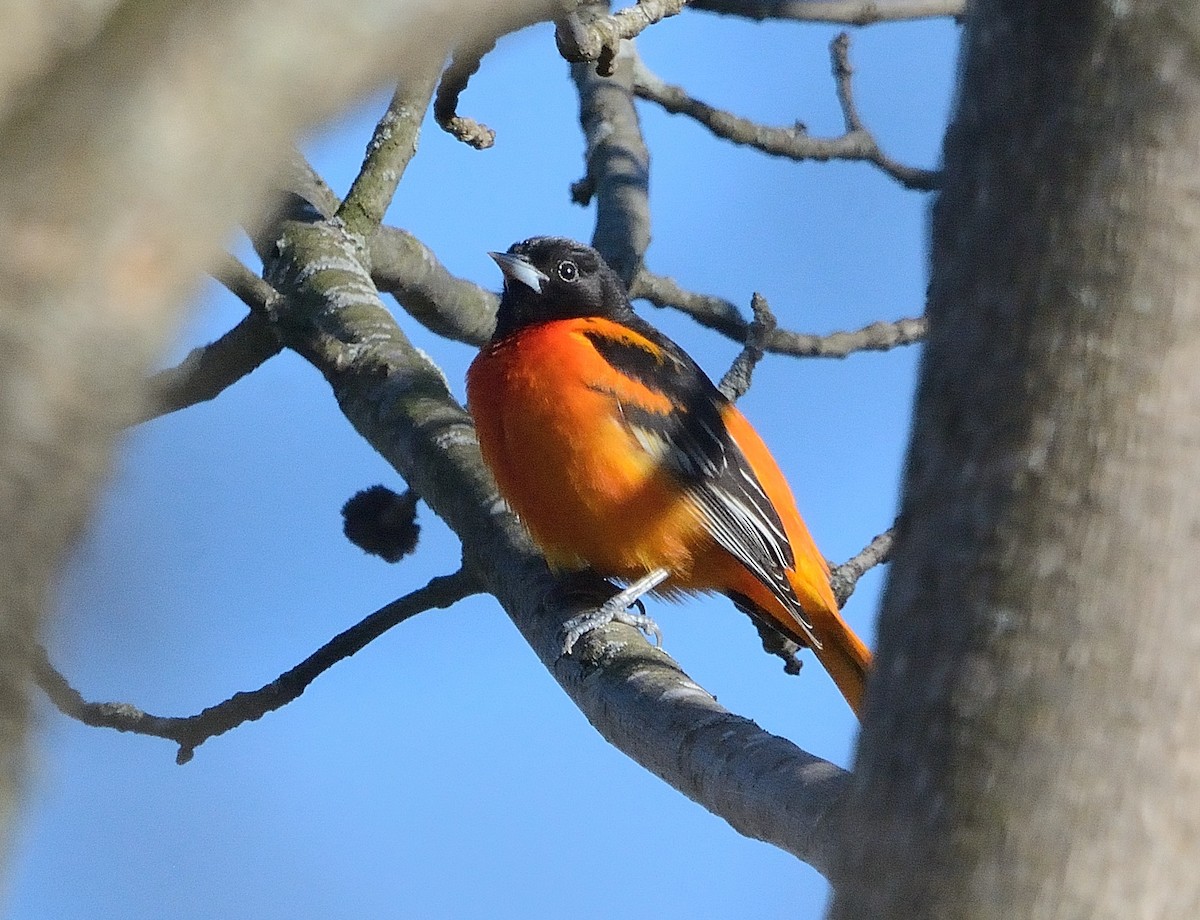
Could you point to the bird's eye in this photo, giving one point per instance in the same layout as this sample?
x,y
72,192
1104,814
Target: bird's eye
x,y
568,270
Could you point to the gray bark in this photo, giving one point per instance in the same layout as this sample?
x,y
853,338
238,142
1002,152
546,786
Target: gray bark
x,y
1031,746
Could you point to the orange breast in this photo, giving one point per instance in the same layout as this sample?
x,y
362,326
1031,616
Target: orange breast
x,y
547,410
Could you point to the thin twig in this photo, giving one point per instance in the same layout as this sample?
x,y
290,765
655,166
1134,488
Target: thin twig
x,y
189,732
736,381
723,316
910,177
843,12
710,311
392,147
877,336
246,286
445,107
583,37
208,371
844,578
843,76
505,18
794,143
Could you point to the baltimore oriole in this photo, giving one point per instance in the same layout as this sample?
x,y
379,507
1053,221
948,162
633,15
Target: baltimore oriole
x,y
617,452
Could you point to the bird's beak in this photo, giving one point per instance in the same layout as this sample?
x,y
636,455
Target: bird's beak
x,y
517,268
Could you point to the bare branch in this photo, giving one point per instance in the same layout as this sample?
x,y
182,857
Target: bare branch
x,y
392,147
724,317
843,12
582,36
843,74
207,371
445,109
245,285
713,312
139,138
794,143
879,336
467,58
844,578
403,266
909,176
736,381
618,165
189,732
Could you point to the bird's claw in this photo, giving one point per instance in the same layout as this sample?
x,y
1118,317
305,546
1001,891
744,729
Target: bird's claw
x,y
576,627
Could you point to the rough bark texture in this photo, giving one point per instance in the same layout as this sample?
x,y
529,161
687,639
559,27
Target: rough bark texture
x,y
1032,746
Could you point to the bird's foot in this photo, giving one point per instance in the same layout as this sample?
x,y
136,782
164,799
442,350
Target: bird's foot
x,y
577,627
616,609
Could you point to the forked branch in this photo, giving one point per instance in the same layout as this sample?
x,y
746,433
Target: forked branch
x,y
794,143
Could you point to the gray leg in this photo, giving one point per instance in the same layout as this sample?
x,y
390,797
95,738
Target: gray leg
x,y
617,608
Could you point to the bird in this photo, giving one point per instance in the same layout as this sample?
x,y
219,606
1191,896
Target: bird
x,y
620,455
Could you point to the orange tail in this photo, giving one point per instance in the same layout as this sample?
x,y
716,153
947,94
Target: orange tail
x,y
842,653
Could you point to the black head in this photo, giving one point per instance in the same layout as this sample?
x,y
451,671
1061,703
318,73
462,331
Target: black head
x,y
550,277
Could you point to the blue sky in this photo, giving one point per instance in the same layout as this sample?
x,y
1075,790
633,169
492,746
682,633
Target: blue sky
x,y
441,772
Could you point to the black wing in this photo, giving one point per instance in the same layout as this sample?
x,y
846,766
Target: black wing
x,y
693,442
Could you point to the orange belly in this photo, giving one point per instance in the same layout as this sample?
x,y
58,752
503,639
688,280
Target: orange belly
x,y
570,467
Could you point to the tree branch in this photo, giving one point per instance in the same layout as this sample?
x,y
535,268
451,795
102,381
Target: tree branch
x,y
635,695
403,266
910,177
443,303
794,143
392,147
189,732
454,81
207,371
244,284
465,64
878,336
843,12
736,381
723,316
583,36
185,108
844,578
618,165
710,311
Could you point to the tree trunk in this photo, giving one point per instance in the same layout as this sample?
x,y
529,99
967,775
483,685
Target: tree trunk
x,y
1032,740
